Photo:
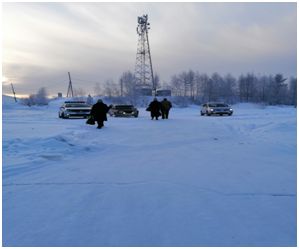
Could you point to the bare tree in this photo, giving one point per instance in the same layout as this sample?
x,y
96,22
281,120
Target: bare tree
x,y
263,89
79,92
212,89
228,88
98,89
176,86
157,84
277,89
201,82
247,87
111,89
128,84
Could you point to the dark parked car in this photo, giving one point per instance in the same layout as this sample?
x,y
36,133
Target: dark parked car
x,y
123,111
216,108
74,109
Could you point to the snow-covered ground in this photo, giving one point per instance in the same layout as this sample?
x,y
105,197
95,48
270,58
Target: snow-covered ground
x,y
186,181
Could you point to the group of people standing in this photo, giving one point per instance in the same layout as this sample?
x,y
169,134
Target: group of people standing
x,y
100,109
158,109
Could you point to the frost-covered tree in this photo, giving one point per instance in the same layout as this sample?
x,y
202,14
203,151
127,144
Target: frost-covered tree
x,y
128,84
40,98
98,89
111,89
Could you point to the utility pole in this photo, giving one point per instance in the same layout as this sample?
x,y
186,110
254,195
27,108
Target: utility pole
x,y
121,87
13,91
70,92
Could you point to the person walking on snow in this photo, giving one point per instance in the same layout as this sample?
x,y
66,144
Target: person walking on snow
x,y
155,108
99,112
165,107
89,100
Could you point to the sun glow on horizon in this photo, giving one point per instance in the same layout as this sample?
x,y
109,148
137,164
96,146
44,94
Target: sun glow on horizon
x,y
4,79
19,96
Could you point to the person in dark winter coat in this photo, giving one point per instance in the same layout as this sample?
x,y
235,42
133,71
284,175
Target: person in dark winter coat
x,y
99,112
165,107
155,108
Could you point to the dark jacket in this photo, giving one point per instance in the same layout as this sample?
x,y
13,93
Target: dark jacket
x,y
155,107
165,105
99,111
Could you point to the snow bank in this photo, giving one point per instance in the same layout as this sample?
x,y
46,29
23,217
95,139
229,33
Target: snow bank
x,y
8,102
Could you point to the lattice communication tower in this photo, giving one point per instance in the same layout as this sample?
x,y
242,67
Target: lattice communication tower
x,y
143,68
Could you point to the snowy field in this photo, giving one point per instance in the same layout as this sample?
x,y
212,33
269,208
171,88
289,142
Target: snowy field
x,y
186,181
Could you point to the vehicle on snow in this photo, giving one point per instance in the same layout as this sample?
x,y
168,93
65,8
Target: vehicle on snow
x,y
216,108
123,111
74,109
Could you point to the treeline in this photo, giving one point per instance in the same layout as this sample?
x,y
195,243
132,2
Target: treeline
x,y
201,87
194,87
267,89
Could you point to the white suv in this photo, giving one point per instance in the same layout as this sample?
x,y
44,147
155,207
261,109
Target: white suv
x,y
74,109
219,108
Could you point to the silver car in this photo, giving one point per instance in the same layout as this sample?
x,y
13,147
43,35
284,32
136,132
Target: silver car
x,y
216,108
74,109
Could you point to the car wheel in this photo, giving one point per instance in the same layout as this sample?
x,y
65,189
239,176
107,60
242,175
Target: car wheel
x,y
208,114
201,113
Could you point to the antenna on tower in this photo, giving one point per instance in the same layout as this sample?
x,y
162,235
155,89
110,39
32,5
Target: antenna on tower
x,y
70,92
143,68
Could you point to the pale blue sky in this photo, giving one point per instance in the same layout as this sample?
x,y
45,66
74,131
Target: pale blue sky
x,y
98,41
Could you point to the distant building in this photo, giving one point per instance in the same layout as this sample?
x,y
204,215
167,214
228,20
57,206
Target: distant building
x,y
144,91
59,95
164,92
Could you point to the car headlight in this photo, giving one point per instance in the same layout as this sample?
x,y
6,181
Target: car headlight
x,y
231,109
211,110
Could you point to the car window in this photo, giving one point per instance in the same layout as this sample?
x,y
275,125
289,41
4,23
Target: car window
x,y
123,106
221,105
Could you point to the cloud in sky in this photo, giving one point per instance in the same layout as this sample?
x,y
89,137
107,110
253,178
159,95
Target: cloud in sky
x,y
98,41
